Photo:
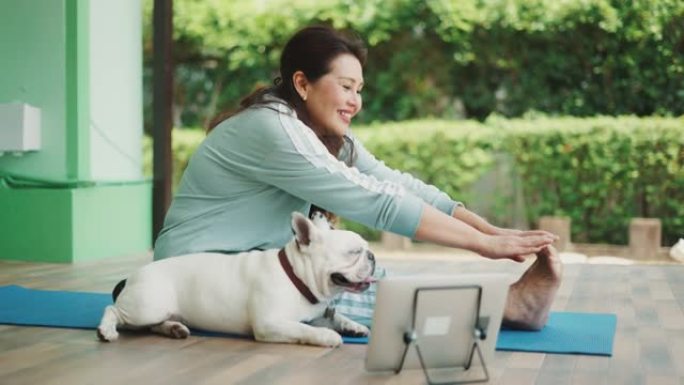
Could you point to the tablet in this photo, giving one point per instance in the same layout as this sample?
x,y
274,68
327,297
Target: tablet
x,y
446,311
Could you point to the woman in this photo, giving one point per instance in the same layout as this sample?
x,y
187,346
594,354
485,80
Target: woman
x,y
289,147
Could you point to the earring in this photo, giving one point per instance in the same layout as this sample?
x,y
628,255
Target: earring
x,y
303,97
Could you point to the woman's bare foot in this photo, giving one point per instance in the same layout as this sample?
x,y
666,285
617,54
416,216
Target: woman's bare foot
x,y
530,298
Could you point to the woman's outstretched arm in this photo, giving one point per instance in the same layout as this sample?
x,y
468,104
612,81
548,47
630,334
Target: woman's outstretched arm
x,y
482,225
436,227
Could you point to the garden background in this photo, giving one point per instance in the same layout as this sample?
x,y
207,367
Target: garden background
x,y
520,108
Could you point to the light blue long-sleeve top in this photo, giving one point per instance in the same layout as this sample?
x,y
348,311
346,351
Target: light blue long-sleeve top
x,y
257,167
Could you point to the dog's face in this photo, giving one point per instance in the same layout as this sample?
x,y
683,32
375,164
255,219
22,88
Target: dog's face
x,y
338,259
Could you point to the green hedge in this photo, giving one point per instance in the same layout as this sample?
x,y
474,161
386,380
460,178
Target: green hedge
x,y
600,172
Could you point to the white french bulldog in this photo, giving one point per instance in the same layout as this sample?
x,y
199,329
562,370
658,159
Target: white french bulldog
x,y
251,293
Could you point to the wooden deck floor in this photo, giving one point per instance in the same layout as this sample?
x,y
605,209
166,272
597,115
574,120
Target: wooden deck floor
x,y
649,344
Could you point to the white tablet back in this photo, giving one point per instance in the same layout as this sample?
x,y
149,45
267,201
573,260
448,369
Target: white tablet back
x,y
446,308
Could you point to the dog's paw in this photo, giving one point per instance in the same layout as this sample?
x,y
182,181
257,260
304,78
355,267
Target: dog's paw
x,y
179,331
107,334
353,329
173,329
328,338
347,327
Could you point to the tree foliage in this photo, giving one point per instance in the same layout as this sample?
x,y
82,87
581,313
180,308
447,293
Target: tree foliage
x,y
446,58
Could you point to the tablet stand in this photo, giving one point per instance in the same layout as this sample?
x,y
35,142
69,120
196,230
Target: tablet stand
x,y
479,333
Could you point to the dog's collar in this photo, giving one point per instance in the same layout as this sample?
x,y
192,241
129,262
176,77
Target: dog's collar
x,y
295,280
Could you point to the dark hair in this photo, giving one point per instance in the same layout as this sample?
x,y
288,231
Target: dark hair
x,y
310,50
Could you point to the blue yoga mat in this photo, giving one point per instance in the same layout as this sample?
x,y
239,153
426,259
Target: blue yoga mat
x,y
568,333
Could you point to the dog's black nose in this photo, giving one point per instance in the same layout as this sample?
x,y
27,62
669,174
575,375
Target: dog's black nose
x,y
371,258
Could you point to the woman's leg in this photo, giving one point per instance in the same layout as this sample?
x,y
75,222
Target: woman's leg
x,y
530,298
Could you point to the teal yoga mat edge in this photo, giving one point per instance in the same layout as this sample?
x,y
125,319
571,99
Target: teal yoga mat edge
x,y
88,306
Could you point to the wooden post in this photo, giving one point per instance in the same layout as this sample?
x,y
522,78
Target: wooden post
x,y
644,238
559,226
162,107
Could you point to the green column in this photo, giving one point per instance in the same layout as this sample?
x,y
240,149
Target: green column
x,y
54,206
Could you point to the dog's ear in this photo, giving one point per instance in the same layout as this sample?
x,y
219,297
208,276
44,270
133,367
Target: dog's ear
x,y
303,228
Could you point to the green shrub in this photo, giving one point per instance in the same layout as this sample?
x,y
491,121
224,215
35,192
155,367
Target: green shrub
x,y
449,155
185,142
600,172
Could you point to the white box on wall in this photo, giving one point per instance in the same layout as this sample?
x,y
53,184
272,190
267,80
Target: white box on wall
x,y
19,127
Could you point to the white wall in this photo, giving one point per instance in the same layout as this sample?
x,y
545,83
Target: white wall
x,y
116,121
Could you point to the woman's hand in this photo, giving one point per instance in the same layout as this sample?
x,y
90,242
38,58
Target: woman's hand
x,y
479,223
516,246
442,229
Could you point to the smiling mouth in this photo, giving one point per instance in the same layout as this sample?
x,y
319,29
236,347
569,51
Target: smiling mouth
x,y
356,287
346,116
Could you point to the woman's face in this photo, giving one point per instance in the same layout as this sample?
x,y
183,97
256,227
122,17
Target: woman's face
x,y
334,99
